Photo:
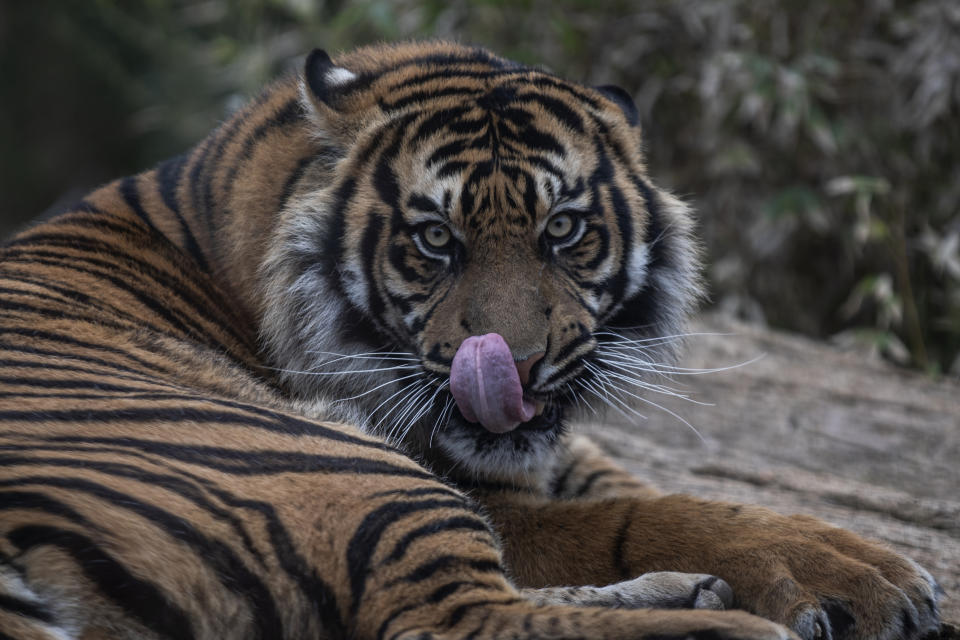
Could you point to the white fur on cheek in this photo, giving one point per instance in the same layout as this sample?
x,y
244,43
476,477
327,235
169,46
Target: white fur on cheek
x,y
637,269
355,284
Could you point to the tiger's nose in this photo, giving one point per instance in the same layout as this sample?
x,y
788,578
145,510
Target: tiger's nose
x,y
524,366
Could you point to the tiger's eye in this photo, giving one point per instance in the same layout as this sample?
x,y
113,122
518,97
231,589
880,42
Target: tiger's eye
x,y
560,226
437,236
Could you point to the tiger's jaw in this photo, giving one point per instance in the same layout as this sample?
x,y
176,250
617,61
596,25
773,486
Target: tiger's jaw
x,y
475,452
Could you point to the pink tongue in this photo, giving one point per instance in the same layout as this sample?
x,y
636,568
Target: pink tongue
x,y
485,383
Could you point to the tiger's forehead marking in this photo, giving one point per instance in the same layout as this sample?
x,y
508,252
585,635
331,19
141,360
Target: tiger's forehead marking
x,y
493,164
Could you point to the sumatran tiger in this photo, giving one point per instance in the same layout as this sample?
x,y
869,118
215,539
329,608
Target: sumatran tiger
x,y
312,379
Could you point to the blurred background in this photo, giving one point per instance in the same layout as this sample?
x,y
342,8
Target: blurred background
x,y
818,139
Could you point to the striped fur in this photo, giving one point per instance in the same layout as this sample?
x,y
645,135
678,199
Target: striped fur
x,y
223,403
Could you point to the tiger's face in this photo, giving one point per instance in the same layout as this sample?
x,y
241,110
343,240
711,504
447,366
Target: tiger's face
x,y
484,255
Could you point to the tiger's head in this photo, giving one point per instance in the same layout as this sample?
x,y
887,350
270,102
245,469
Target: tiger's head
x,y
479,254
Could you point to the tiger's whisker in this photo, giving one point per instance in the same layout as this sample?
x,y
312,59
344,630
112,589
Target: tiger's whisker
x,y
662,408
396,393
647,386
344,373
406,393
605,398
410,406
380,386
424,409
447,409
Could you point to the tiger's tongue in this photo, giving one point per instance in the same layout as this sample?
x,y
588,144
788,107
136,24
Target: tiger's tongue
x,y
485,383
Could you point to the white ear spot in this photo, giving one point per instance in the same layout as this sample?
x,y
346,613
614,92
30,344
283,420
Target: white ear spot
x,y
338,76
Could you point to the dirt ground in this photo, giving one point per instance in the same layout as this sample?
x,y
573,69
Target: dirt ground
x,y
809,429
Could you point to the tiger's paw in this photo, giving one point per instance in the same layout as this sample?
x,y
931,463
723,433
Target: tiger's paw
x,y
655,590
826,583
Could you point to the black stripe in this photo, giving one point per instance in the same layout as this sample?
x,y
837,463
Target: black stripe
x,y
175,317
138,598
429,76
655,225
223,562
131,195
27,609
393,616
312,586
57,366
103,221
559,109
196,178
441,563
384,177
71,294
571,368
55,314
333,234
39,295
619,548
532,136
289,113
71,341
368,252
559,483
85,207
364,541
36,501
451,168
438,120
624,217
458,523
422,491
422,203
136,270
447,151
168,482
255,462
504,69
590,480
201,175
457,614
644,307
205,287
445,591
277,422
427,96
46,383
169,175
290,185
583,337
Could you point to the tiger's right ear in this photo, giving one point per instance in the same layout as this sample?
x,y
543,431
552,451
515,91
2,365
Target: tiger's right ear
x,y
325,80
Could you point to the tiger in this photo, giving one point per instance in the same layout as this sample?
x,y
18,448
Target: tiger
x,y
314,379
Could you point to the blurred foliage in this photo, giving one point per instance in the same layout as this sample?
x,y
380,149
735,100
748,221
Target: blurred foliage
x,y
819,139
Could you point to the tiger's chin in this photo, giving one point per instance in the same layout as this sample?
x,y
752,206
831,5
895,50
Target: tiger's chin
x,y
476,453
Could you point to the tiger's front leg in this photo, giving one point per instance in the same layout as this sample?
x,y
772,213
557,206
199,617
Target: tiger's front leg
x,y
596,524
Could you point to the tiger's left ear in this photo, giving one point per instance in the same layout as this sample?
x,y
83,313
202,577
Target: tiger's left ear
x,y
623,100
326,81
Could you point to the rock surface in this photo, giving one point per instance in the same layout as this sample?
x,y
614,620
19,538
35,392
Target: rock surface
x,y
809,429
